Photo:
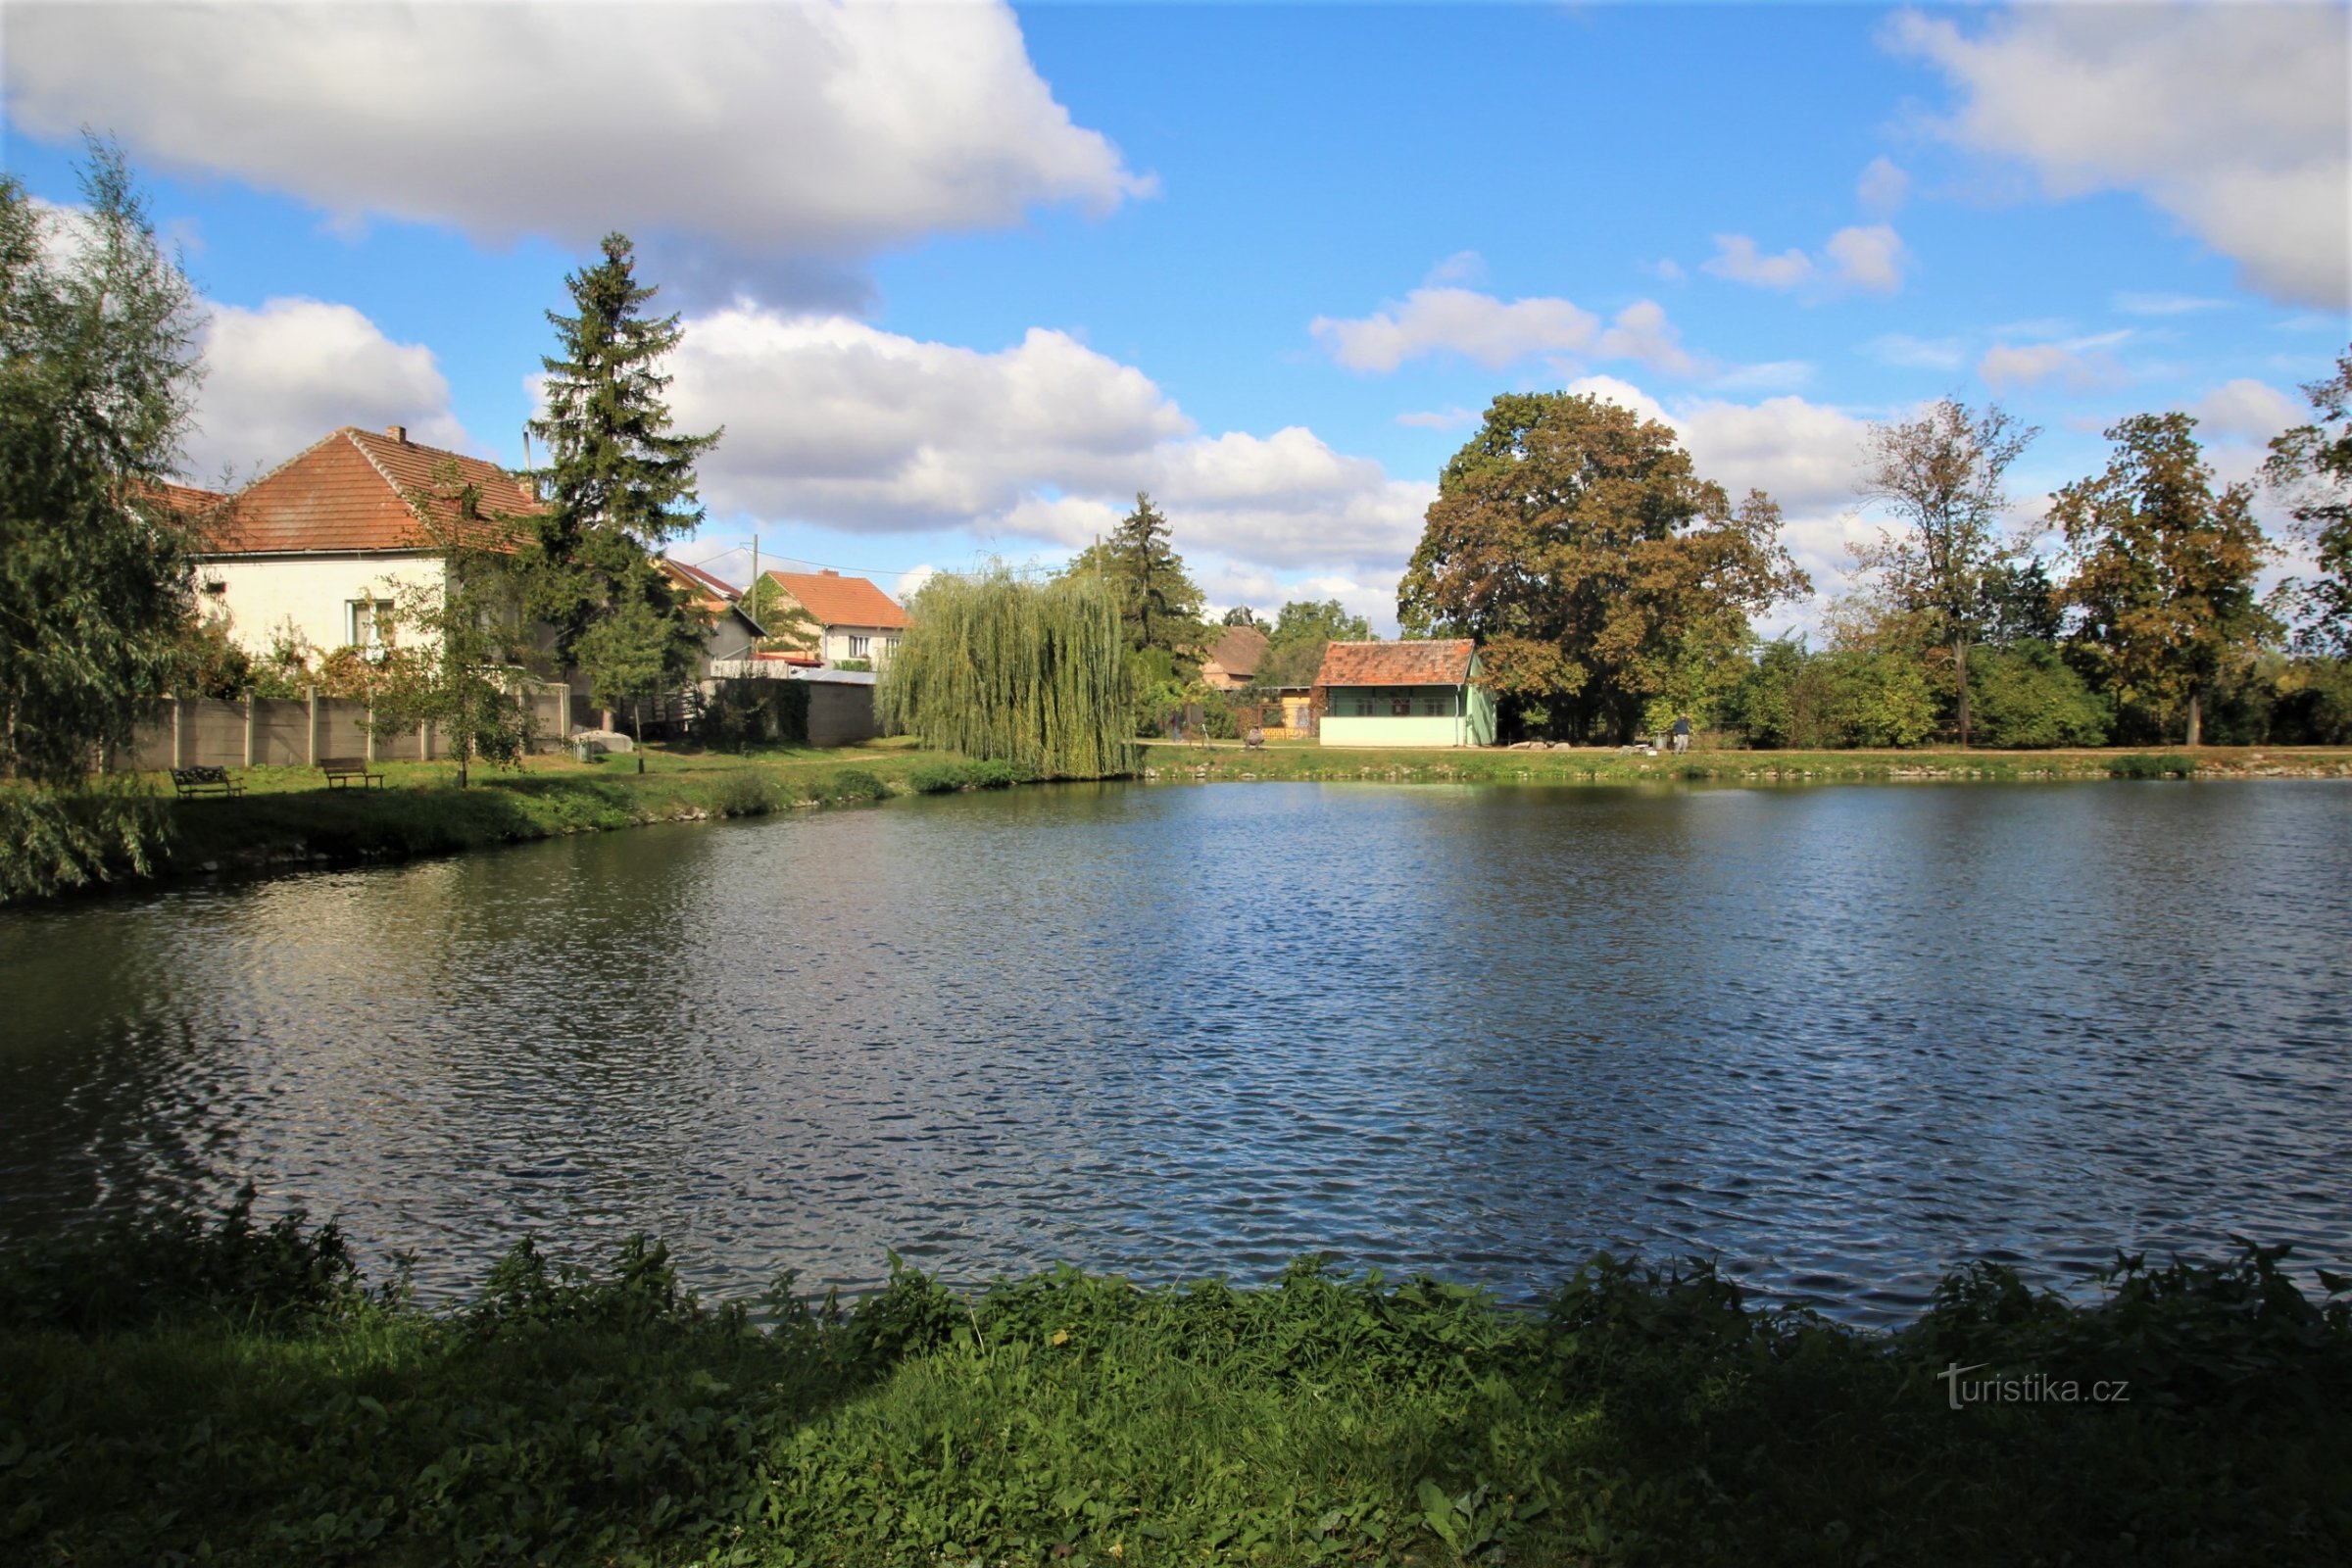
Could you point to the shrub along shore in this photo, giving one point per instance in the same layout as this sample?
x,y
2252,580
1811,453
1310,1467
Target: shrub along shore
x,y
286,818
182,1390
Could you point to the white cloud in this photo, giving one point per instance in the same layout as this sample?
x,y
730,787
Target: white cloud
x,y
835,423
1736,257
2247,410
1455,320
822,131
1462,267
1772,375
1495,333
1918,353
1643,332
278,378
1454,419
2008,366
2159,304
2231,119
1883,188
1870,259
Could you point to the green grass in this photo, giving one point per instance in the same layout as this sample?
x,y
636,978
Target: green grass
x,y
286,816
1307,761
237,1395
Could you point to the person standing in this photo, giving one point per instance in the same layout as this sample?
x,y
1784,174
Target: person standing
x,y
1681,734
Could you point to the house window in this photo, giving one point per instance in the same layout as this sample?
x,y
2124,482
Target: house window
x,y
858,647
370,623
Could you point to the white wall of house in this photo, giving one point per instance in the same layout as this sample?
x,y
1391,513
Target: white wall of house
x,y
262,595
859,642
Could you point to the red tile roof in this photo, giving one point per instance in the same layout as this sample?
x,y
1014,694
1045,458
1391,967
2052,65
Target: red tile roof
x,y
349,492
713,596
1444,662
187,499
833,600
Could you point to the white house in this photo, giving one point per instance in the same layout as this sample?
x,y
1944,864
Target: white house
x,y
316,551
856,620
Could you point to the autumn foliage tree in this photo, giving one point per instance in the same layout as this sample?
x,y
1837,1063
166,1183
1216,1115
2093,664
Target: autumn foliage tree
x,y
1574,539
2164,570
2312,466
1940,475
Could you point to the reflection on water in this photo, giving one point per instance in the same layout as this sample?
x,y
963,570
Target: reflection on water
x,y
1837,1036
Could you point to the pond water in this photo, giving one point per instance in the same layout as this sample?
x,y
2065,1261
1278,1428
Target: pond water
x,y
1837,1038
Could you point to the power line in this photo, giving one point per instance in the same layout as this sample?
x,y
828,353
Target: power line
x,y
1028,569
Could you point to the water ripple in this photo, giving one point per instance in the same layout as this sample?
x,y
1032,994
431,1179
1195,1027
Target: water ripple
x,y
1837,1038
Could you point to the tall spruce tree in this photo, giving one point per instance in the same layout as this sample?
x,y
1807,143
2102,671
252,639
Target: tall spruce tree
x,y
618,482
1160,605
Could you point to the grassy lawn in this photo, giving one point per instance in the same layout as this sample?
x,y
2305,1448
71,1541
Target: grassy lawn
x,y
287,814
1309,759
237,1397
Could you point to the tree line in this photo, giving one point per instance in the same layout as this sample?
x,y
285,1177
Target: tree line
x,y
1612,588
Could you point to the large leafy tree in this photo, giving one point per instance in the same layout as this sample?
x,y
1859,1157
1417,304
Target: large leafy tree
x,y
1574,539
98,366
1940,475
2163,571
1301,630
619,482
2312,465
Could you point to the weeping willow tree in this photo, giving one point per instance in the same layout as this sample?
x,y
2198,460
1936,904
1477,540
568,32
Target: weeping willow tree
x,y
1029,674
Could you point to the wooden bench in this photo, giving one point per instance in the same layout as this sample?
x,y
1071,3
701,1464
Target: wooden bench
x,y
342,771
205,781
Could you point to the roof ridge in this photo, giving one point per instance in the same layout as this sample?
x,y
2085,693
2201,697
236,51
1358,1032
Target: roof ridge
x,y
268,475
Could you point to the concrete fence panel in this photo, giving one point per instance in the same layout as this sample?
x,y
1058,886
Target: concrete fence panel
x,y
342,728
281,732
211,733
840,716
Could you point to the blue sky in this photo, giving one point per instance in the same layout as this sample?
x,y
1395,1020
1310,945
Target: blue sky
x,y
958,281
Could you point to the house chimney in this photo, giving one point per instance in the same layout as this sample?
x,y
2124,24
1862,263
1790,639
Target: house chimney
x,y
398,432
829,573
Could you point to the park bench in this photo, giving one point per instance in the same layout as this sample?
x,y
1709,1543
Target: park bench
x,y
342,771
205,781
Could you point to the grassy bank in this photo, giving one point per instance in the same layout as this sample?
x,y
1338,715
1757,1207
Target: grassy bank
x,y
1304,760
238,1395
286,817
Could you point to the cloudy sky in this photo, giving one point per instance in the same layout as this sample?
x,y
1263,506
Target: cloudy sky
x,y
959,279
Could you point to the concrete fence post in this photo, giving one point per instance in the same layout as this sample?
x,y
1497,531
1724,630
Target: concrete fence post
x,y
424,740
181,737
310,744
252,730
367,726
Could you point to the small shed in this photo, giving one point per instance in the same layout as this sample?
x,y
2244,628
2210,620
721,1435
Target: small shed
x,y
1403,694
